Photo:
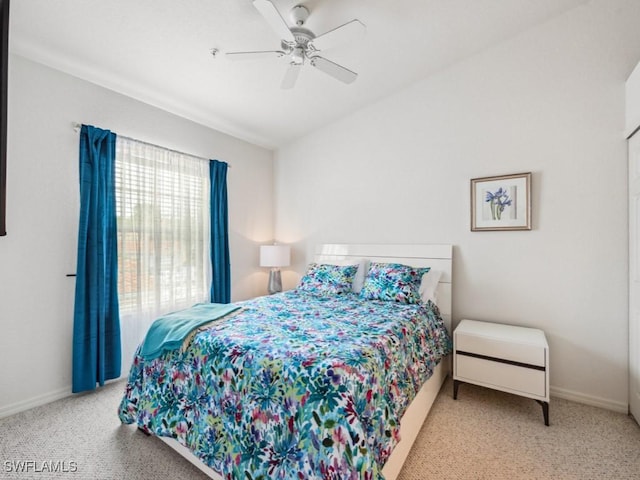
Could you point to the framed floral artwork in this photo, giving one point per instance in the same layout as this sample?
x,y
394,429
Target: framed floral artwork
x,y
501,203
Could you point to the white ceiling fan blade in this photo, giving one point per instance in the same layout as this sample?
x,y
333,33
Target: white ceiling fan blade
x,y
254,55
291,75
274,19
333,69
344,33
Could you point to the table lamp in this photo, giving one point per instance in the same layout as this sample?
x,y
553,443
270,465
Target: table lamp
x,y
275,256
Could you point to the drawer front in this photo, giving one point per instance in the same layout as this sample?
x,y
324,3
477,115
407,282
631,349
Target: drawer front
x,y
501,376
491,347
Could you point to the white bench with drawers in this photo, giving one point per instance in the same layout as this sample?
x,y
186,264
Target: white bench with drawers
x,y
503,357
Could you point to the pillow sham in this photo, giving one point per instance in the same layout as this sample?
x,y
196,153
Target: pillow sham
x,y
393,282
363,267
326,279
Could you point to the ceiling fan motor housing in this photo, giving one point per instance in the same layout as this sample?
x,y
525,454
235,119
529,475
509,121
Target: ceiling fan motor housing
x,y
302,38
302,35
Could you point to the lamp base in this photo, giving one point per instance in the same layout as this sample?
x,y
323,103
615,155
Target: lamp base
x,y
275,281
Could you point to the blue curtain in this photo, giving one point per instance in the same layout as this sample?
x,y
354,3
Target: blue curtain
x,y
220,263
96,322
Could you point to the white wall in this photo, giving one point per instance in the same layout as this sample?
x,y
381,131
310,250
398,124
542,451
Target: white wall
x,y
36,299
549,101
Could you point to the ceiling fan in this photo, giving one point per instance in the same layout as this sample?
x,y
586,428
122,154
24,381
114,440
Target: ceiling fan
x,y
300,44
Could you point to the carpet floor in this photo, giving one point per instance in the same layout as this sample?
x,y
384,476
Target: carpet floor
x,y
483,435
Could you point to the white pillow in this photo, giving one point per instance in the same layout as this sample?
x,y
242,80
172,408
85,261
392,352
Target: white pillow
x,y
429,285
363,267
361,274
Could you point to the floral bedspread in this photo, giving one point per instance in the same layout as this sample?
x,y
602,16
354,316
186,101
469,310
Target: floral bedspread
x,y
294,387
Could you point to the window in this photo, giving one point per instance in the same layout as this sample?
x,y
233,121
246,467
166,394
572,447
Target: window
x,y
162,204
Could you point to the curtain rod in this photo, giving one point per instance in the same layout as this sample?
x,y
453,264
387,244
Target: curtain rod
x,y
77,126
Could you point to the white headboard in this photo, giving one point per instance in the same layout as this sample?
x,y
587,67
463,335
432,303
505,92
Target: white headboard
x,y
438,257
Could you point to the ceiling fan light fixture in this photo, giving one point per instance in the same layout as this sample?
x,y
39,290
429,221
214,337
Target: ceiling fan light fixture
x,y
297,56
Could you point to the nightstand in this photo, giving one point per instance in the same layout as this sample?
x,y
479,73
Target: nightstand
x,y
503,357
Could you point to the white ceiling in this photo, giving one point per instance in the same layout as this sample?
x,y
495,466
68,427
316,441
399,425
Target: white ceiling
x,y
158,51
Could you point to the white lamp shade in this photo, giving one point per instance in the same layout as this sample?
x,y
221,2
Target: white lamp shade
x,y
275,255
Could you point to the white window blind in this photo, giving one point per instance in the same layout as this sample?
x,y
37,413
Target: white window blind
x,y
162,204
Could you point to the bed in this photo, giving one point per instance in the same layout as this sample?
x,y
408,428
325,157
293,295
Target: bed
x,y
301,385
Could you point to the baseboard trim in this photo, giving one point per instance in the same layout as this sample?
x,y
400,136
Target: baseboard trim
x,y
45,398
33,402
620,407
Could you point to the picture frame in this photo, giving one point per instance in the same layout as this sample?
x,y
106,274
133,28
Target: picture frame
x,y
501,202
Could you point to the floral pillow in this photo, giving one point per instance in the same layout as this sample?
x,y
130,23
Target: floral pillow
x,y
323,279
393,282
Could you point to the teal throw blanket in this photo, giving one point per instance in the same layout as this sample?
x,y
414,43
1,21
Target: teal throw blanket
x,y
169,332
